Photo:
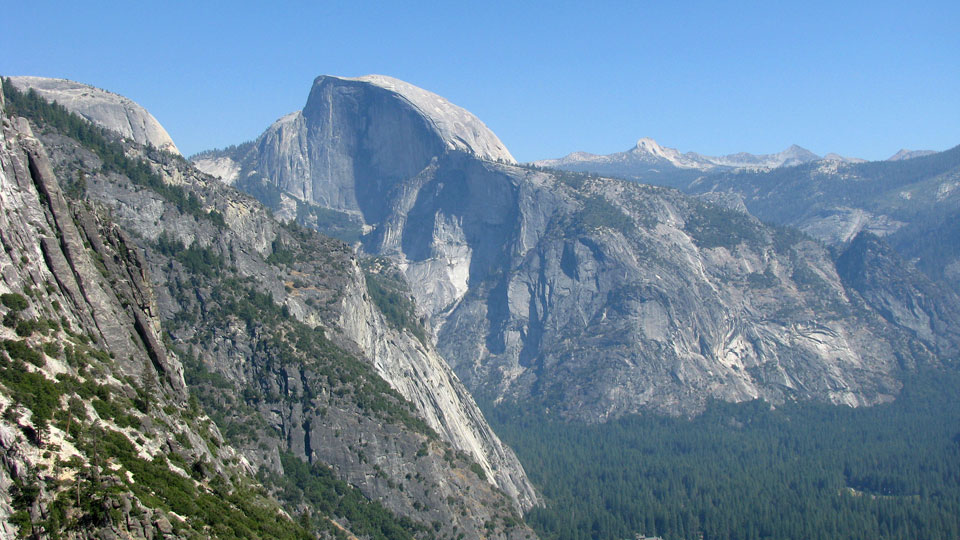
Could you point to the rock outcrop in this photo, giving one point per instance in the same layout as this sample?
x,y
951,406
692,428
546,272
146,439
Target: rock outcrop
x,y
90,392
901,294
106,109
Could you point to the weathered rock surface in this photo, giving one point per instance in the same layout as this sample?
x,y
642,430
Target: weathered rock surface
x,y
106,109
94,317
589,296
205,260
458,127
902,294
223,168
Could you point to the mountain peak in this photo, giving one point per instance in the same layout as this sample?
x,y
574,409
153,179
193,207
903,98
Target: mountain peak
x,y
648,148
909,154
794,155
106,109
459,128
647,142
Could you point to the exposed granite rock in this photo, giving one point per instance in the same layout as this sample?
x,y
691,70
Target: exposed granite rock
x,y
84,286
422,376
598,322
302,415
377,130
224,168
103,108
459,128
902,294
94,299
592,296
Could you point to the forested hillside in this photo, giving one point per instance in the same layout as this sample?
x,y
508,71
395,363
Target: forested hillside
x,y
751,471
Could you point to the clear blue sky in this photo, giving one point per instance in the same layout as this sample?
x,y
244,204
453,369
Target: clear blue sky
x,y
858,78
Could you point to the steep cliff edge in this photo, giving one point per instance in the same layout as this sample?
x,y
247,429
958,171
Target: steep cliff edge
x,y
302,388
588,296
98,438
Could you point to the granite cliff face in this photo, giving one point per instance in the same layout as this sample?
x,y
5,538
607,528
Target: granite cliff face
x,y
592,297
272,329
106,109
380,131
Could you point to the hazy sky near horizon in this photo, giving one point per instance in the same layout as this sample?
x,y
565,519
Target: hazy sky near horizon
x,y
862,79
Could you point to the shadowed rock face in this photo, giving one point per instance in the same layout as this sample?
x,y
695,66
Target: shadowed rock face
x,y
901,294
589,296
355,139
373,139
106,109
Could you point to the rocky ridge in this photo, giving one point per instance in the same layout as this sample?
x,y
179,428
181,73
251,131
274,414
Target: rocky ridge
x,y
589,296
909,198
910,202
96,421
903,154
189,227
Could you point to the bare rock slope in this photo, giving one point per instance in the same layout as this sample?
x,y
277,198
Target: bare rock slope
x,y
589,296
106,109
176,283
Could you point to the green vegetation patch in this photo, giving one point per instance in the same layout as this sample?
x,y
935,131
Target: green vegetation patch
x,y
392,297
218,511
598,213
317,486
713,226
196,259
33,391
20,350
14,301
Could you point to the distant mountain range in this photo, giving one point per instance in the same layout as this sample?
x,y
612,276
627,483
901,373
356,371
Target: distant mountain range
x,y
648,154
911,198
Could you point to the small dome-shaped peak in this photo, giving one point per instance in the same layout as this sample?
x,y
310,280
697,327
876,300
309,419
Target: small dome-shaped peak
x,y
106,109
